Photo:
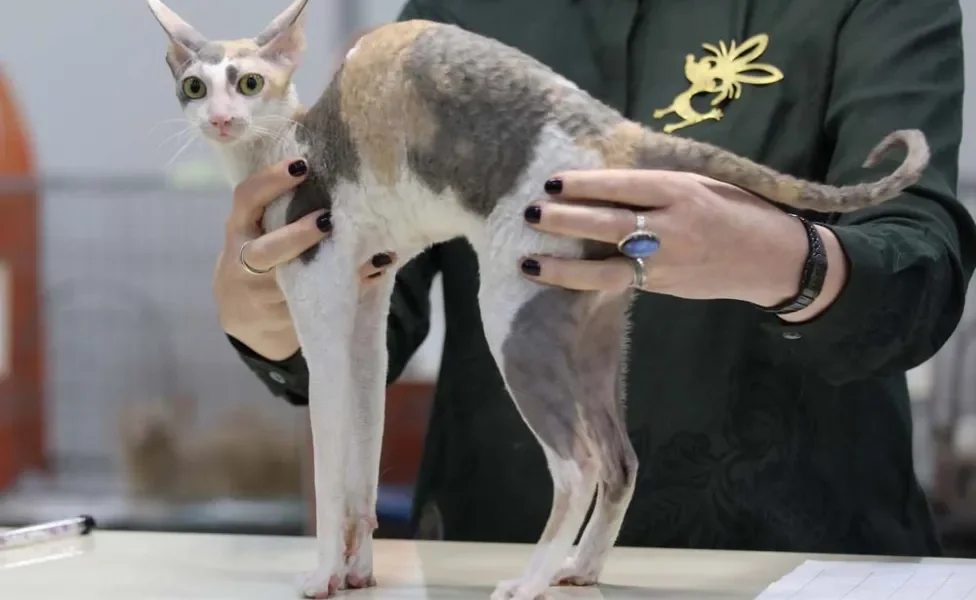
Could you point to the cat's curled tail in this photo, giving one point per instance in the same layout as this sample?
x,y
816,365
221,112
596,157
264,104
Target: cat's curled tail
x,y
664,151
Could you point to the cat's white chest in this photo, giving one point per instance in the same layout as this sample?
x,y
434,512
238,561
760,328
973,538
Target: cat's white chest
x,y
244,162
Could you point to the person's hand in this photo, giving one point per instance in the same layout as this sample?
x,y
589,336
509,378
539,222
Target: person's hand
x,y
251,306
714,240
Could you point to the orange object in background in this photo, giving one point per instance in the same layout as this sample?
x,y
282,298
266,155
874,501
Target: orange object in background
x,y
408,405
21,342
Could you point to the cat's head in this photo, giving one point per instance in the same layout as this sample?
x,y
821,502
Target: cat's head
x,y
235,91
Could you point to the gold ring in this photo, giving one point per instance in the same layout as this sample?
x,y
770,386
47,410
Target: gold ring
x,y
246,266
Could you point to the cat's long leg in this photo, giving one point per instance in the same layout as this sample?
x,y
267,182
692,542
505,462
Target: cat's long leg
x,y
322,298
600,363
369,356
532,331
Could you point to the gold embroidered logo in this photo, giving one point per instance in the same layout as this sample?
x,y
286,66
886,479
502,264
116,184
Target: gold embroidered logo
x,y
721,74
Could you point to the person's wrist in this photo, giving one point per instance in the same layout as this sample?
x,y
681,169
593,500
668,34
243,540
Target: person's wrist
x,y
779,270
775,263
272,347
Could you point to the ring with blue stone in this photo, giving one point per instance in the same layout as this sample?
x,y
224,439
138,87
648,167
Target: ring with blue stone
x,y
641,243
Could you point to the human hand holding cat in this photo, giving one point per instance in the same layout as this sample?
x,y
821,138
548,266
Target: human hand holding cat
x,y
716,240
250,305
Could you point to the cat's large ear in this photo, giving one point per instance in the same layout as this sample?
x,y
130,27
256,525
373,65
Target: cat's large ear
x,y
185,40
283,40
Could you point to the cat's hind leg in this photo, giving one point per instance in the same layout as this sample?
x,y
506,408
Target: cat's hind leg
x,y
533,332
601,367
322,298
369,356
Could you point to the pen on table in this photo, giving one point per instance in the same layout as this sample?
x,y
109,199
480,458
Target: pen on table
x,y
35,534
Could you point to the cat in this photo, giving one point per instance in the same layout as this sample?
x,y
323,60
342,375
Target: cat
x,y
169,456
425,133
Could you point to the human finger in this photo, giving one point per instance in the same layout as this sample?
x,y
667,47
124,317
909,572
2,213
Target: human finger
x,y
287,242
600,223
612,274
634,187
254,194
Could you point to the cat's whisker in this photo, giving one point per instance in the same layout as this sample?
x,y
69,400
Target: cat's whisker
x,y
181,120
282,118
287,120
182,149
268,134
271,134
176,135
262,130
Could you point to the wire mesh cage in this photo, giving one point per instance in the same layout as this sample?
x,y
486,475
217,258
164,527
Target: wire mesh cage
x,y
149,411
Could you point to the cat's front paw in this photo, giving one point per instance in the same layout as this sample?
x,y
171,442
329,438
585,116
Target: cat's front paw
x,y
580,570
359,568
521,589
320,584
576,575
357,582
359,551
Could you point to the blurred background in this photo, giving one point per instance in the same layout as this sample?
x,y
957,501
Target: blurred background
x,y
110,349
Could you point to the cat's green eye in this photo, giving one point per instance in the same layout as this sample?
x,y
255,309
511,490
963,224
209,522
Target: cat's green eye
x,y
250,84
194,88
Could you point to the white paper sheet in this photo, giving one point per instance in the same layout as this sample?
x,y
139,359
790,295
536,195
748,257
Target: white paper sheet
x,y
825,580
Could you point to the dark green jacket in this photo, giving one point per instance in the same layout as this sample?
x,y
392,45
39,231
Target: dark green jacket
x,y
752,434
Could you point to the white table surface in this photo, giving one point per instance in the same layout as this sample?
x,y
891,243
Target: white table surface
x,y
111,565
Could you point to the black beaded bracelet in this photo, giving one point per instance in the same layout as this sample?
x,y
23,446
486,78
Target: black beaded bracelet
x,y
813,276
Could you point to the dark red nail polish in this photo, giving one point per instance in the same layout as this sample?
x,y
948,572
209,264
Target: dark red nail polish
x,y
554,186
533,214
298,168
324,222
381,260
531,267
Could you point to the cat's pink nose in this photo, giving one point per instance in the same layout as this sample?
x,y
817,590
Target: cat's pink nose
x,y
221,124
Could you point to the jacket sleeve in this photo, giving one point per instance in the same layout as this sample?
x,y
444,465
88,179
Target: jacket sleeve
x,y
407,327
408,324
899,65
409,320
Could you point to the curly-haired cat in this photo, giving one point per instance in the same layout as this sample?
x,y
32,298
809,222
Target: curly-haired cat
x,y
425,133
